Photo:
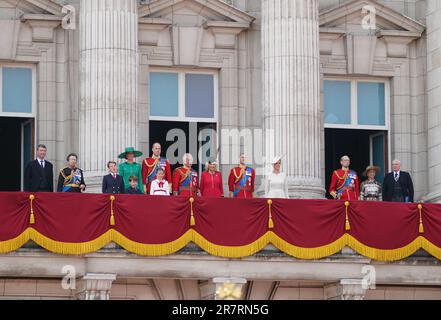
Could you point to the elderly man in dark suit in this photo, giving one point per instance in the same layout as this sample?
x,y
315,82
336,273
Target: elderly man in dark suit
x,y
39,174
113,183
397,185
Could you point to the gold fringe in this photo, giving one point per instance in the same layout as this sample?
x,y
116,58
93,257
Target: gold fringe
x,y
307,253
347,225
151,249
32,217
217,250
14,244
112,214
382,254
421,227
431,248
230,251
69,247
192,219
270,219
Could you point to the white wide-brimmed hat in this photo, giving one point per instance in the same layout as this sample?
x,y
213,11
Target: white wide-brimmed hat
x,y
276,159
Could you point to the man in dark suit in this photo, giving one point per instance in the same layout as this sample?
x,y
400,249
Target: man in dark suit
x,y
397,185
113,183
39,174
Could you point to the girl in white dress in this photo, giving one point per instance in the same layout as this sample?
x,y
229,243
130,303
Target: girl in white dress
x,y
276,185
159,186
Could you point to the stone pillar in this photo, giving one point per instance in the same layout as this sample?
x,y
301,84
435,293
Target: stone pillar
x,y
346,289
291,92
433,8
108,84
95,286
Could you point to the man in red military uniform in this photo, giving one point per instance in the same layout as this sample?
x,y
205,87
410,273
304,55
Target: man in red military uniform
x,y
151,165
344,182
185,179
241,180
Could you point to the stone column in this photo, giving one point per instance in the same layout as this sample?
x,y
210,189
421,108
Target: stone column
x,y
108,84
433,101
95,286
346,289
291,92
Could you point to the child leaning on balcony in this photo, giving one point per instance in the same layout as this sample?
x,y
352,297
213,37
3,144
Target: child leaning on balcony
x,y
133,189
159,187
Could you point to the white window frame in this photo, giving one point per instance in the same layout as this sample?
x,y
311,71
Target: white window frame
x,y
371,150
181,95
354,104
34,147
32,114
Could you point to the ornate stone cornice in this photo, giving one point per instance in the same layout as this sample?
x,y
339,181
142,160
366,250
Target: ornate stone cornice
x,y
43,26
227,11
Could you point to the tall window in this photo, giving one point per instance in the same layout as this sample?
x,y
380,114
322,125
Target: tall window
x,y
17,121
356,116
186,100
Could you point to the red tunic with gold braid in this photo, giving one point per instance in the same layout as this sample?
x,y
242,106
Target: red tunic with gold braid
x,y
241,182
185,182
344,185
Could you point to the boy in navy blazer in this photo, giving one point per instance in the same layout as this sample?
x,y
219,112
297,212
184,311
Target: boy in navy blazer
x,y
113,183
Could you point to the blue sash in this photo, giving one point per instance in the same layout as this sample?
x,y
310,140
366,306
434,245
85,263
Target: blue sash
x,y
243,181
352,176
162,162
186,182
75,179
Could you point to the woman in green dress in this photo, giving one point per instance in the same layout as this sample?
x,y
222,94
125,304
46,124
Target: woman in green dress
x,y
130,167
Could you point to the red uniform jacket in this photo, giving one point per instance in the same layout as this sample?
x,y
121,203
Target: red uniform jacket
x,y
344,185
149,167
242,188
185,182
211,185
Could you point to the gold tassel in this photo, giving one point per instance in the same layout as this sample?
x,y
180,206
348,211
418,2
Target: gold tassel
x,y
421,227
112,214
192,219
270,220
347,225
271,223
32,217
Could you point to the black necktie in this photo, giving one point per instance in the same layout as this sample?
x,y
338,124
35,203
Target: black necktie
x,y
42,164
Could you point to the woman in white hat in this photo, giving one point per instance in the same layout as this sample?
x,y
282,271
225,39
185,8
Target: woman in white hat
x,y
276,185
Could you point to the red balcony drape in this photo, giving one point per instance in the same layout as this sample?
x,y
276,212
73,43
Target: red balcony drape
x,y
152,226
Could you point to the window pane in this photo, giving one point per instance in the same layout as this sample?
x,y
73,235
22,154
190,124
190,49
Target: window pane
x,y
199,96
371,103
17,90
337,101
164,94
